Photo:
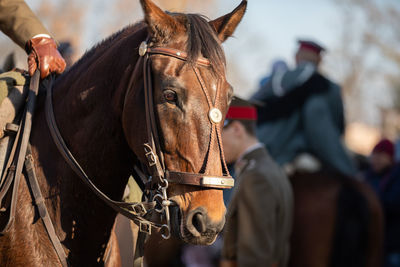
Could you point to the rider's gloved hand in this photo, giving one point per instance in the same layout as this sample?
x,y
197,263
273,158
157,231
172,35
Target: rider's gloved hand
x,y
43,54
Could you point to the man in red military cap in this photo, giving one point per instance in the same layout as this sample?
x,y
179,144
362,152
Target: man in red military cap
x,y
259,217
302,116
382,156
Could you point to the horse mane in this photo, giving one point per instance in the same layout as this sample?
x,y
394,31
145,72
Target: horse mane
x,y
107,42
202,40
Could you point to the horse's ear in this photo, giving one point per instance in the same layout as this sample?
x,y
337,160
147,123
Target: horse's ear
x,y
226,25
160,24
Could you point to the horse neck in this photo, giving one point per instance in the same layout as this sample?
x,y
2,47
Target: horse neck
x,y
88,114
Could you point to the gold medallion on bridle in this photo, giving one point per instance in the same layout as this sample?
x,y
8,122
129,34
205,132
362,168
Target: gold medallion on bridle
x,y
143,49
215,115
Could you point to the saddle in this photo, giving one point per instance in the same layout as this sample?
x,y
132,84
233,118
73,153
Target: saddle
x,y
16,112
14,87
303,163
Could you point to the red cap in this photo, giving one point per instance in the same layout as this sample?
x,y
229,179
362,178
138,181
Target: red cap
x,y
384,146
310,45
242,113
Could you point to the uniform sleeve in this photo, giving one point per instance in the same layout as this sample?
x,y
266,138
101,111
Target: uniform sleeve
x,y
256,222
18,21
337,108
323,136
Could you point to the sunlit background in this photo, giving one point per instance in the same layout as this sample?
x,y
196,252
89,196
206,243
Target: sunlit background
x,y
362,42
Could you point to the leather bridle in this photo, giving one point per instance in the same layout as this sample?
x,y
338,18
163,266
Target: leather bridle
x,y
155,193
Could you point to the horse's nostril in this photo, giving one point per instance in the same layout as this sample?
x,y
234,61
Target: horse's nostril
x,y
199,222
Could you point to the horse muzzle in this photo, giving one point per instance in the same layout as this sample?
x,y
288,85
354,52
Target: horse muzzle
x,y
196,227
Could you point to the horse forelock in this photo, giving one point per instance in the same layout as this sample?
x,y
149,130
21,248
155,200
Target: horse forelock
x,y
203,41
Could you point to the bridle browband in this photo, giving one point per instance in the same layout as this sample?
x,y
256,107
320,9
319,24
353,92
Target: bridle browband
x,y
155,193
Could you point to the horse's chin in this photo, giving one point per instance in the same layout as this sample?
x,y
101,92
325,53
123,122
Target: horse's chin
x,y
203,240
179,230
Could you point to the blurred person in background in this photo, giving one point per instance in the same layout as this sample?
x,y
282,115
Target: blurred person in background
x,y
67,52
397,150
19,23
384,177
301,119
279,67
259,217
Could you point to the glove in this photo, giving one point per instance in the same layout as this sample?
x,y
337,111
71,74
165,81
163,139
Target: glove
x,y
43,54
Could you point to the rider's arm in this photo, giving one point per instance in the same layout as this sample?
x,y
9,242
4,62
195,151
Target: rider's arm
x,y
284,83
22,26
19,22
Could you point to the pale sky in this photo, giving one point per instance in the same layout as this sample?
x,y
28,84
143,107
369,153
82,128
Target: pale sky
x,y
268,31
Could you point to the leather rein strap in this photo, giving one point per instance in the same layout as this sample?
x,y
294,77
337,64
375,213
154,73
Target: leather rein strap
x,y
133,211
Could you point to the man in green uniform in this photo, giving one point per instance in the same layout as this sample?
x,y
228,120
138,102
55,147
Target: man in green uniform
x,y
19,23
259,218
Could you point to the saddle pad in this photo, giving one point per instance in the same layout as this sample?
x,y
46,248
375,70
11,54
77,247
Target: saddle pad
x,y
8,80
13,91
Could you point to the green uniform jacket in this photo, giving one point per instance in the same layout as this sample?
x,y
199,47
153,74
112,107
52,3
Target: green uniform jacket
x,y
260,214
19,22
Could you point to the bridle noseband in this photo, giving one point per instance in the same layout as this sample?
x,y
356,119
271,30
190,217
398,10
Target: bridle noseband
x,y
155,193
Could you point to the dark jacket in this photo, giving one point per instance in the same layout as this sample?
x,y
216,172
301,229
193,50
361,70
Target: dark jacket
x,y
387,187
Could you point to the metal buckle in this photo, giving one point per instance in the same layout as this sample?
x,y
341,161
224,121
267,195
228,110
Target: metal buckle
x,y
145,227
150,155
217,182
11,128
143,49
138,209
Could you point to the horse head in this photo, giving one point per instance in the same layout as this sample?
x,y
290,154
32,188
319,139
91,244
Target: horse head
x,y
190,98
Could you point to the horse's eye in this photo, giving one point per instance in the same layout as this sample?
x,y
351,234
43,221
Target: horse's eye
x,y
170,96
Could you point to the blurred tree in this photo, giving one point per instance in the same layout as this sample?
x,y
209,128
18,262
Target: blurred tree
x,y
65,20
379,36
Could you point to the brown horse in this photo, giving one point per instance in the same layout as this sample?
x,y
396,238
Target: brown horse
x,y
338,222
104,126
